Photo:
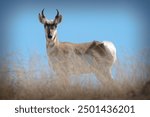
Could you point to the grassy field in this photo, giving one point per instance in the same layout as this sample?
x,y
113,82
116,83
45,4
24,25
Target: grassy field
x,y
36,81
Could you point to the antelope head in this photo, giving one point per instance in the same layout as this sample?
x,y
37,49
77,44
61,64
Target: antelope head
x,y
50,27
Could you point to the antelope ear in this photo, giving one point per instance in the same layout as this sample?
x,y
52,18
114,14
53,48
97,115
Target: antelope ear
x,y
58,18
42,18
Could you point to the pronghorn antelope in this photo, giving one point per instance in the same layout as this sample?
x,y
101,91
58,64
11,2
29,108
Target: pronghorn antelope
x,y
70,58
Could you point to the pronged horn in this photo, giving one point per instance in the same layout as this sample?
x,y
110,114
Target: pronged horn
x,y
57,13
43,13
58,18
42,17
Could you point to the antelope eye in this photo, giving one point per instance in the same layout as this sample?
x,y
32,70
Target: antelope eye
x,y
46,26
53,26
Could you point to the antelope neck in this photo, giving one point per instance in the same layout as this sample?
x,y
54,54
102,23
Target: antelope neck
x,y
52,43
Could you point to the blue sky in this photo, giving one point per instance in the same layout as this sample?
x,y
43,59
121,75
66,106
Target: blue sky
x,y
124,23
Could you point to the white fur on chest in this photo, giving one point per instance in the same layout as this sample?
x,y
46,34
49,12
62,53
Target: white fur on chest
x,y
111,49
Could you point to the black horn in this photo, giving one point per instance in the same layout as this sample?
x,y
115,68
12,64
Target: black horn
x,y
43,13
57,13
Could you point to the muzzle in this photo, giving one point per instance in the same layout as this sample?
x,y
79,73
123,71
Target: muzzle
x,y
50,36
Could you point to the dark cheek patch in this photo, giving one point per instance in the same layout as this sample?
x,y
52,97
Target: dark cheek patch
x,y
44,25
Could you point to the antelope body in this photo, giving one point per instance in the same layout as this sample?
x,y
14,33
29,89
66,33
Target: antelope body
x,y
69,58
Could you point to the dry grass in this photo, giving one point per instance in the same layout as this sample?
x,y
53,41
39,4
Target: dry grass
x,y
35,81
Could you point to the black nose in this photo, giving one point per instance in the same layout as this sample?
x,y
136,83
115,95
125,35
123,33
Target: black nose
x,y
50,36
